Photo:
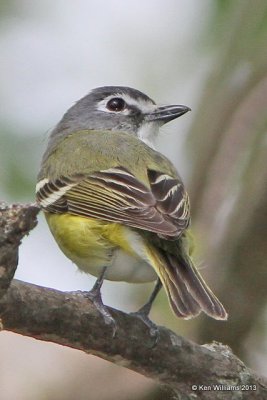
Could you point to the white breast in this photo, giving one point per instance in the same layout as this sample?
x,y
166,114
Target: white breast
x,y
129,269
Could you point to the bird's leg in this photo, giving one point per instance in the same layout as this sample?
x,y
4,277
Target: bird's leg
x,y
95,296
144,311
96,289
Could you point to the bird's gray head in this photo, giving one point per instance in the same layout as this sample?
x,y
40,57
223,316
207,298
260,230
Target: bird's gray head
x,y
118,108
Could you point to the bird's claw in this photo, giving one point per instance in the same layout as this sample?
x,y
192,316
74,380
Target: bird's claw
x,y
95,297
153,328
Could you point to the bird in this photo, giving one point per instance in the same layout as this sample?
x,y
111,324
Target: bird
x,y
116,206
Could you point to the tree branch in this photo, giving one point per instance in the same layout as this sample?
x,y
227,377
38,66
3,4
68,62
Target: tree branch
x,y
16,221
71,319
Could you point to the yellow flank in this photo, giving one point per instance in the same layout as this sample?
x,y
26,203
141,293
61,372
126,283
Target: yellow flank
x,y
116,234
160,268
89,243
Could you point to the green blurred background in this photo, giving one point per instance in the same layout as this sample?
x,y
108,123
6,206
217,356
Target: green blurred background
x,y
209,55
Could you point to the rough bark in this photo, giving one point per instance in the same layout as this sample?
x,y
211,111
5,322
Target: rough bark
x,y
16,221
71,319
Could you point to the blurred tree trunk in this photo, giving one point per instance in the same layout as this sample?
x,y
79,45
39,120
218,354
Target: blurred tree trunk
x,y
229,171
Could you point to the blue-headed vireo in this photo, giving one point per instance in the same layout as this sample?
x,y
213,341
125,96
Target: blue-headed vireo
x,y
117,207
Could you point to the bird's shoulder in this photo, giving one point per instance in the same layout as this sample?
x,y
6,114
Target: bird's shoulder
x,y
89,150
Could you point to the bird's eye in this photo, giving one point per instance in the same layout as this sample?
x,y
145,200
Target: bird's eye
x,y
116,104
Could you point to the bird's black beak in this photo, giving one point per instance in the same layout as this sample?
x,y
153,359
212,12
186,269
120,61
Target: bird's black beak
x,y
164,114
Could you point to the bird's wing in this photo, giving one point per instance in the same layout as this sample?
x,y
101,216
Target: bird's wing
x,y
116,195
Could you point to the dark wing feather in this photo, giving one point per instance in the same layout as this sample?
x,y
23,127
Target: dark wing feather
x,y
172,199
116,195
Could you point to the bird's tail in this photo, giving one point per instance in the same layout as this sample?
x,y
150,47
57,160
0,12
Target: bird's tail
x,y
187,291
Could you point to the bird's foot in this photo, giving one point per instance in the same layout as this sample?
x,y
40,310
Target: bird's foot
x,y
144,311
153,328
95,297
